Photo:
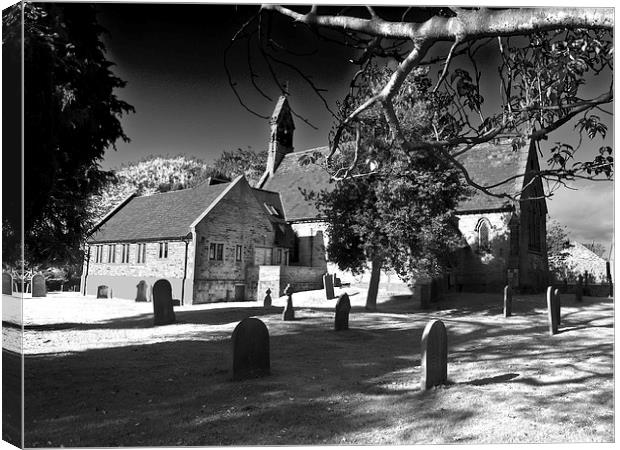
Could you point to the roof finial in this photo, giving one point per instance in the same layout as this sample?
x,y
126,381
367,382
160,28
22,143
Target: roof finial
x,y
285,88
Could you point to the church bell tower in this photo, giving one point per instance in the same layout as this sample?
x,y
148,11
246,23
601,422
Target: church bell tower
x,y
281,136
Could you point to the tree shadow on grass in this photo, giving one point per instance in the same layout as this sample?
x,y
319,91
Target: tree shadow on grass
x,y
178,392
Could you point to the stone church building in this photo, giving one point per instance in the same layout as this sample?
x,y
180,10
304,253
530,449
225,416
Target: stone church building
x,y
504,240
231,241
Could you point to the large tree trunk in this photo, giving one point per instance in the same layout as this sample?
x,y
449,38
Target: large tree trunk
x,y
373,287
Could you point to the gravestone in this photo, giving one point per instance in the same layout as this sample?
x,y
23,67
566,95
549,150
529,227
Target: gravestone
x,y
267,301
289,311
328,284
552,311
142,294
343,307
558,306
7,284
434,360
38,286
163,310
579,289
104,292
250,347
507,301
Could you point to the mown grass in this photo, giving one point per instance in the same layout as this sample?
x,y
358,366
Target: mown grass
x,y
509,380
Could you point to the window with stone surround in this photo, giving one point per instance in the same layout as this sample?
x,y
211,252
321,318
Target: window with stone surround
x,y
163,250
534,224
482,229
99,253
238,253
111,253
141,255
125,254
216,251
277,256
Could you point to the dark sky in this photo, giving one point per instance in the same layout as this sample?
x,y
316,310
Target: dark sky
x,y
172,57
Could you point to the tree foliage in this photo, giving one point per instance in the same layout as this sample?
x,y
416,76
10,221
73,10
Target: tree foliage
x,y
242,162
393,205
71,118
538,59
558,251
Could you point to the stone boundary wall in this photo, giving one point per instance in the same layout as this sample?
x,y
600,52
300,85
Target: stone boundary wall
x,y
591,290
125,286
301,278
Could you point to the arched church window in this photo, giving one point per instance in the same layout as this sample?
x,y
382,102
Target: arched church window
x,y
483,235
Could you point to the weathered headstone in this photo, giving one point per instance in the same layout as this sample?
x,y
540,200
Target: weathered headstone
x,y
104,292
558,306
552,311
142,294
579,289
507,301
343,307
250,347
289,311
328,284
163,310
38,286
267,301
434,347
7,284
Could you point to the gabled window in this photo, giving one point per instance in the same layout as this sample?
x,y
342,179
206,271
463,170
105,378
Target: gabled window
x,y
141,255
163,250
216,251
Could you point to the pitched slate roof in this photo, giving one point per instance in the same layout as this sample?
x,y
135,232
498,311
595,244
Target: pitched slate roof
x,y
284,234
487,164
291,178
160,216
491,163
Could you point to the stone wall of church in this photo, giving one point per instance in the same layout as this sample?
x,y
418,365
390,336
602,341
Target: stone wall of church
x,y
483,269
122,277
312,244
237,220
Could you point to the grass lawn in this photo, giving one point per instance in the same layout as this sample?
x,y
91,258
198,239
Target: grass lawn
x,y
98,374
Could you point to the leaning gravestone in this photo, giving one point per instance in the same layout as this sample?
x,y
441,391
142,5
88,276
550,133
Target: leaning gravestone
x,y
163,310
289,311
343,307
104,292
434,347
552,311
267,301
7,284
507,301
142,294
328,284
250,346
38,286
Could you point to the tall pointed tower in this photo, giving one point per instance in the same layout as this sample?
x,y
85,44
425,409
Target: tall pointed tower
x,y
281,138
